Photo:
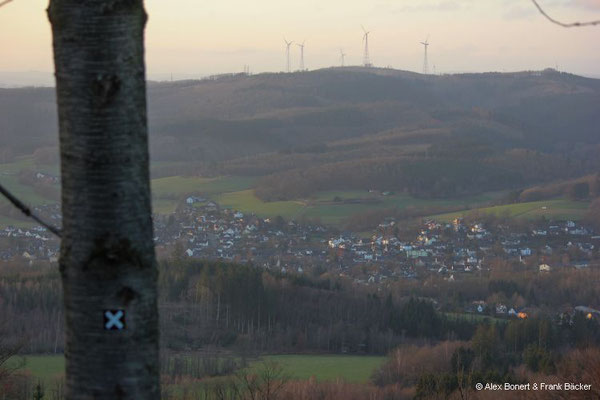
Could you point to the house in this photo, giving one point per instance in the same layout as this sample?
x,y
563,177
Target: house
x,y
479,306
526,251
588,311
545,268
522,315
194,199
581,264
547,250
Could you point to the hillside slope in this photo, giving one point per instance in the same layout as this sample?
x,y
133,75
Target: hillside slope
x,y
351,127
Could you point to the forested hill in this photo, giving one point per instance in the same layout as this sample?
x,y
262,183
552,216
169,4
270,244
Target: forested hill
x,y
381,119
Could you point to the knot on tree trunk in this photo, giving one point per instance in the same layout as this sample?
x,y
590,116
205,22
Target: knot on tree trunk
x,y
113,253
105,88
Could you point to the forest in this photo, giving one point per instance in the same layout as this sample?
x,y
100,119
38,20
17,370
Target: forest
x,y
215,316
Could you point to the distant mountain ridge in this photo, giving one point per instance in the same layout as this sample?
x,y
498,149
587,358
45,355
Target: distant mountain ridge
x,y
274,122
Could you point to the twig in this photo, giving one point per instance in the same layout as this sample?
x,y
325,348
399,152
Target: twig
x,y
5,2
563,24
27,211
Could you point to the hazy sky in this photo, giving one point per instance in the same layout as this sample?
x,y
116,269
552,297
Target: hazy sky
x,y
194,38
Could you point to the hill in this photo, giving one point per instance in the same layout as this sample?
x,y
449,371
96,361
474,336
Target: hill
x,y
353,129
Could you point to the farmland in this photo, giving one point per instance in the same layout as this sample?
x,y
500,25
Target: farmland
x,y
353,369
329,207
9,178
246,201
333,207
559,209
44,368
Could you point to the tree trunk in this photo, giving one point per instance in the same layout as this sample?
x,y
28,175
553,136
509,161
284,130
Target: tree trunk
x,y
107,255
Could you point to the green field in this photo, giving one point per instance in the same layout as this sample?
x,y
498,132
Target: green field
x,y
323,206
355,369
18,223
168,192
551,209
246,201
9,178
23,192
45,368
331,207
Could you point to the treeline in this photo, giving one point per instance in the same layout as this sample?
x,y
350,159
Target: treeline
x,y
418,177
240,307
252,309
511,284
513,352
425,175
207,303
578,189
31,312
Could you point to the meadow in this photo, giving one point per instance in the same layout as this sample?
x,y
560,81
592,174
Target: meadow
x,y
334,207
43,368
329,207
9,178
349,368
559,209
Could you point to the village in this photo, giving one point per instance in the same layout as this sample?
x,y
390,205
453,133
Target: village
x,y
201,229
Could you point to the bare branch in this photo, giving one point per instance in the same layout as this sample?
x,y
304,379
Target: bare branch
x,y
5,2
27,211
563,24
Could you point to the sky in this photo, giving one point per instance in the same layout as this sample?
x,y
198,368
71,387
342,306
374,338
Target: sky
x,y
196,38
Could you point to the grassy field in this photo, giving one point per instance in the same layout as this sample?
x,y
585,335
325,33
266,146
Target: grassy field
x,y
23,192
10,180
348,203
551,209
246,201
44,368
168,192
355,369
331,207
18,223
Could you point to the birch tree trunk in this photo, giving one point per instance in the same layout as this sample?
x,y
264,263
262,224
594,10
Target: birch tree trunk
x,y
107,255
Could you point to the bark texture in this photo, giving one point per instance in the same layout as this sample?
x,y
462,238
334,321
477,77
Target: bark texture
x,y
107,255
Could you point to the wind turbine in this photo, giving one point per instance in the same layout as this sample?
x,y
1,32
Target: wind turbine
x,y
366,60
301,54
425,64
287,53
342,56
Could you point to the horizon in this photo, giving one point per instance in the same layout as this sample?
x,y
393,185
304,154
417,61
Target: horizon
x,y
39,79
464,37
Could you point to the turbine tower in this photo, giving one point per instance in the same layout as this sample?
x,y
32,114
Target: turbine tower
x,y
366,60
287,53
425,64
342,56
301,55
